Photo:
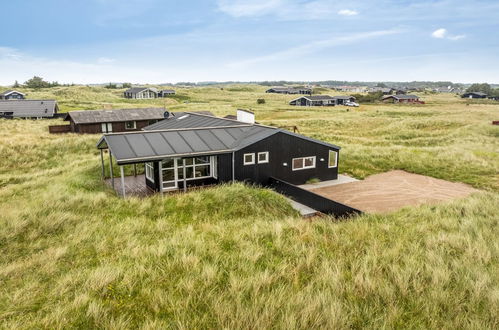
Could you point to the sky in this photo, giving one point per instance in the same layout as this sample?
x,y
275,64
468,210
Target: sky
x,y
162,41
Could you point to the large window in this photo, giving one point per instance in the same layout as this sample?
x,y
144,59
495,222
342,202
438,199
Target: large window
x,y
130,125
333,159
107,127
303,163
195,168
263,157
249,159
150,171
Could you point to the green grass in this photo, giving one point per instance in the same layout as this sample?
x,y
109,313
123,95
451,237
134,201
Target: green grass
x,y
73,255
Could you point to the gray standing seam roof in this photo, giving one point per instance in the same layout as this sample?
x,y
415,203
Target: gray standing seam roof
x,y
116,115
192,120
29,108
156,145
10,91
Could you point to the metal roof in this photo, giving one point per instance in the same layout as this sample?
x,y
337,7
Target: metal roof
x,y
135,90
192,120
29,108
315,98
404,97
156,145
10,92
116,115
343,97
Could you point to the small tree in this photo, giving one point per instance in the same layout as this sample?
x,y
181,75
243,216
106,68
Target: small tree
x,y
16,85
127,85
111,86
260,101
37,82
484,88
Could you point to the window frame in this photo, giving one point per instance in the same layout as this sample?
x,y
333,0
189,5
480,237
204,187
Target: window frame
x,y
266,153
335,159
149,171
131,121
314,158
252,159
107,127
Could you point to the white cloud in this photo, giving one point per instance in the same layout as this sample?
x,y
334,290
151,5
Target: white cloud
x,y
348,12
283,9
312,47
458,37
105,60
439,34
443,34
241,8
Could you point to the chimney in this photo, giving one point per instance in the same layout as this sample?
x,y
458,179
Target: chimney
x,y
245,116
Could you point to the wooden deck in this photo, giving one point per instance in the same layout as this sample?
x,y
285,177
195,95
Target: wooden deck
x,y
135,186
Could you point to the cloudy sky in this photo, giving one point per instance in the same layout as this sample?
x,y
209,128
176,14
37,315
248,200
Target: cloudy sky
x,y
155,41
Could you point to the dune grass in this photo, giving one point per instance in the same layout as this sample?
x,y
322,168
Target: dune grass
x,y
73,255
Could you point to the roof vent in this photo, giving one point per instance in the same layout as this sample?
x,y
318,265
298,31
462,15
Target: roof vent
x,y
166,114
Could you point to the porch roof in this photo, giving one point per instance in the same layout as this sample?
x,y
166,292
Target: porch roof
x,y
133,147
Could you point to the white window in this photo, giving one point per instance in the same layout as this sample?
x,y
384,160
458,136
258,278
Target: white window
x,y
249,159
333,159
107,127
263,157
130,125
303,163
150,171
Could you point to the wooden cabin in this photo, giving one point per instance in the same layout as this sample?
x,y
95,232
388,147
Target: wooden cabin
x,y
108,121
34,109
474,95
314,100
401,99
12,95
141,93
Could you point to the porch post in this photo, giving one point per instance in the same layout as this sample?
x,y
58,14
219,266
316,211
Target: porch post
x,y
122,181
103,169
135,169
160,177
185,179
233,168
111,168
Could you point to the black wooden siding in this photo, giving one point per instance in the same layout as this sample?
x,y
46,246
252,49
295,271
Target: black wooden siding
x,y
283,148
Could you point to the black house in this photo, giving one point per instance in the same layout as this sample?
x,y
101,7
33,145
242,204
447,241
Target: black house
x,y
315,100
12,95
141,93
194,149
474,95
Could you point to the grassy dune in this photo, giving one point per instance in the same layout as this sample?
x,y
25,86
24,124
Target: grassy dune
x,y
74,255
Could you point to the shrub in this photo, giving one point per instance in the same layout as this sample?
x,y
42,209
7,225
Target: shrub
x,y
260,101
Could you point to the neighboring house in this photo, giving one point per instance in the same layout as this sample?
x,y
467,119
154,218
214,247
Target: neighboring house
x,y
290,90
193,149
28,109
315,100
340,100
474,95
12,95
495,98
352,89
141,93
384,90
401,99
108,121
166,92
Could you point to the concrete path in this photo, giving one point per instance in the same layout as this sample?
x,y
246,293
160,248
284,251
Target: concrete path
x,y
341,180
304,210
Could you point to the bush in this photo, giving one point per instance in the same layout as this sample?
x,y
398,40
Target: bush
x,y
260,101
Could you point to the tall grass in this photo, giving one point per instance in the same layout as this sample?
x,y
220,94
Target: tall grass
x,y
73,255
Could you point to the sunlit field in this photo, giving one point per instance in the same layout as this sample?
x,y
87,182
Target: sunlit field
x,y
72,254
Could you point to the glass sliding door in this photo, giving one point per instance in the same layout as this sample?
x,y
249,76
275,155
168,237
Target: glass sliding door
x,y
196,168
